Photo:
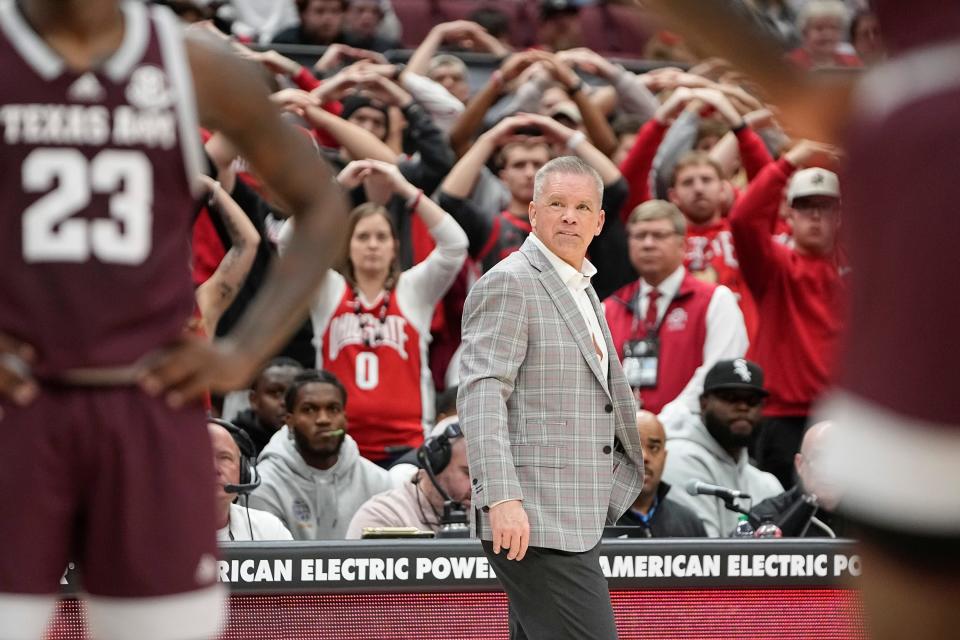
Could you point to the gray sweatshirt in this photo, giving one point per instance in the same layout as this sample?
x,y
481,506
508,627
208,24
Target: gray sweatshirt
x,y
315,504
696,455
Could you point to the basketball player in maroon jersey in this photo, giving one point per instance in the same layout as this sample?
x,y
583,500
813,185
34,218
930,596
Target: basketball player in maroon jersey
x,y
104,453
895,453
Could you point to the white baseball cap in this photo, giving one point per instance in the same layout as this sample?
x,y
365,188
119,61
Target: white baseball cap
x,y
813,182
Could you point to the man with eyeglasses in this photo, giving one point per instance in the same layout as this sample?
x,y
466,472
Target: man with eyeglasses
x,y
799,290
669,327
714,451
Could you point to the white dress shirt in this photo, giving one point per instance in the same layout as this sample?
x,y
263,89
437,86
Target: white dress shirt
x,y
726,340
577,282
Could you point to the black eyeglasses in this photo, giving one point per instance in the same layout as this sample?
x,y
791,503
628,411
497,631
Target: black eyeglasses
x,y
736,397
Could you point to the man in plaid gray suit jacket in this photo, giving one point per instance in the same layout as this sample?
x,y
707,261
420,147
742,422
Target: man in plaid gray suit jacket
x,y
548,416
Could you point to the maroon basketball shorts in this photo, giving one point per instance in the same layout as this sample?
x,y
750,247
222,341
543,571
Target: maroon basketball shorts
x,y
113,479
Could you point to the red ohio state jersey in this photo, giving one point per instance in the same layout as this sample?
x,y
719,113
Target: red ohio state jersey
x,y
711,257
97,206
381,366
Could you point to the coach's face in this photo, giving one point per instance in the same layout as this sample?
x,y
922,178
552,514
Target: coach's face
x,y
566,215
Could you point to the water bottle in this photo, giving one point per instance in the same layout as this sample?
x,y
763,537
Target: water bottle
x,y
768,529
744,528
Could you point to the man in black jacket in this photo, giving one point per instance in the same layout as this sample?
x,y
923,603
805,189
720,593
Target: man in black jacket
x,y
818,499
267,410
653,514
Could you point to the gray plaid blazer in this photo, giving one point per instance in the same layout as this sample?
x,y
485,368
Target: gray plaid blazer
x,y
541,422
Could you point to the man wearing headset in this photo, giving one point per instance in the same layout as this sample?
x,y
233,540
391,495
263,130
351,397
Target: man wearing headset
x,y
418,502
236,476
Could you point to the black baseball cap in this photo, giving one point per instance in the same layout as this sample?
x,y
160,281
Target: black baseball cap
x,y
739,374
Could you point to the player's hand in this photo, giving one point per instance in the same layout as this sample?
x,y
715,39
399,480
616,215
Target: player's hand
x,y
511,529
16,380
184,371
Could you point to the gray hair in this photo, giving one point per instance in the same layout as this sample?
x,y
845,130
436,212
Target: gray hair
x,y
447,60
568,165
659,210
823,9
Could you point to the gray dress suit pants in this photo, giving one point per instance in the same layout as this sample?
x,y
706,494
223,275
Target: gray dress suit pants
x,y
555,595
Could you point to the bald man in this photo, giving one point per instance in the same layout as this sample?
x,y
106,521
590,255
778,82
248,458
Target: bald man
x,y
233,521
810,484
652,513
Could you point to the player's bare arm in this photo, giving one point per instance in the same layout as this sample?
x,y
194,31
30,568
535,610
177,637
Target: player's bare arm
x,y
232,99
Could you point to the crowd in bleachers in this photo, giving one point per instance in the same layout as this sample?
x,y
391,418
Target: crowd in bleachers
x,y
720,263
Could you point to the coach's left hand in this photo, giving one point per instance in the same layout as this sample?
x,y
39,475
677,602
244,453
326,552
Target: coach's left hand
x,y
510,528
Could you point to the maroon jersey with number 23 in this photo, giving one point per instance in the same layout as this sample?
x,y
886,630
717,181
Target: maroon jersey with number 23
x,y
96,203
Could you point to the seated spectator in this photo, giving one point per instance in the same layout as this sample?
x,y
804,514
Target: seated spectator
x,y
559,26
362,26
312,475
715,450
653,513
321,23
372,321
670,328
822,24
233,460
796,520
418,503
800,292
866,38
267,411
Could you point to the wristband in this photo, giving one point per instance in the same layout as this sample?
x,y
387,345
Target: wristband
x,y
740,127
398,69
574,141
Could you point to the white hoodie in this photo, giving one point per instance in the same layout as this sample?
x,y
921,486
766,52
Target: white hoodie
x,y
315,504
695,455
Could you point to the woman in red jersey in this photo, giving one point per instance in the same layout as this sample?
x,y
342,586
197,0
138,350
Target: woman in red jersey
x,y
372,322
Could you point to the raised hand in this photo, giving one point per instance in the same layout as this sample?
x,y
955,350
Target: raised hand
x,y
808,153
337,55
294,100
589,61
516,63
